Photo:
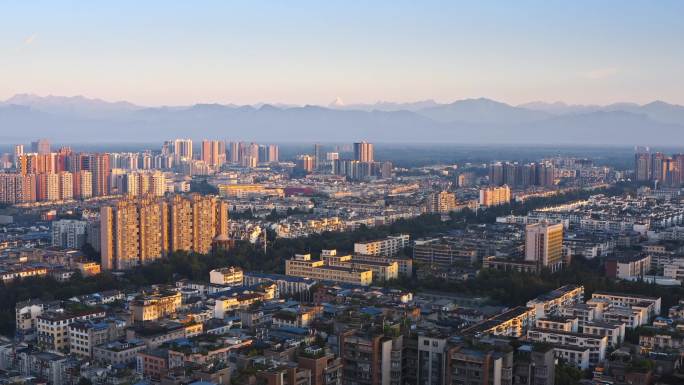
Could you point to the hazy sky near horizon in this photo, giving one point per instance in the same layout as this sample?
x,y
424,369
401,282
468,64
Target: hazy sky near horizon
x,y
310,52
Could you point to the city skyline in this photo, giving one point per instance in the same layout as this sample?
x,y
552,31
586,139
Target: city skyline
x,y
306,53
341,193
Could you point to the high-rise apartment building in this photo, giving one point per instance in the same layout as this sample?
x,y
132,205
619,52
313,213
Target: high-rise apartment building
x,y
119,235
234,152
17,188
140,183
38,163
319,156
66,185
658,167
544,245
47,187
99,166
136,231
180,224
152,230
213,152
18,152
306,163
204,223
132,233
642,166
657,160
41,146
83,184
182,149
441,202
514,174
495,196
69,233
145,161
363,152
273,155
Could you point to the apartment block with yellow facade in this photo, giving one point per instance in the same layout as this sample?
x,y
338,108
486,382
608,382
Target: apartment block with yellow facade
x,y
303,266
151,307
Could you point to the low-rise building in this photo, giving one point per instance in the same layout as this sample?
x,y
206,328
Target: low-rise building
x,y
614,331
387,247
287,286
512,323
597,344
552,303
228,276
53,326
382,271
630,300
628,267
151,307
84,336
118,352
303,266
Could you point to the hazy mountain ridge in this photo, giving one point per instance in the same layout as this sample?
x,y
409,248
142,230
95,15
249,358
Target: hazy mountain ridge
x,y
26,117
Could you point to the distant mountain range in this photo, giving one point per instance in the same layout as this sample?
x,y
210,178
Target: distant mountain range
x,y
80,119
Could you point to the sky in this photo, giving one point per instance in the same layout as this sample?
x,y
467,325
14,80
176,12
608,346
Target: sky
x,y
311,52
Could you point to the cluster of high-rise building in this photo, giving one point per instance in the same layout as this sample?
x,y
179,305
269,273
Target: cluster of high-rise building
x,y
46,175
137,183
363,165
658,167
251,154
54,176
522,175
136,231
214,154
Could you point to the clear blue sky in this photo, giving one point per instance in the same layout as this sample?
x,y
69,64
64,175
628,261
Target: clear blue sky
x,y
181,52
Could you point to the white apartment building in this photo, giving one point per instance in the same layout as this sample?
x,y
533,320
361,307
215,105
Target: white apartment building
x,y
552,303
303,266
674,270
630,300
597,344
614,331
227,276
385,247
69,233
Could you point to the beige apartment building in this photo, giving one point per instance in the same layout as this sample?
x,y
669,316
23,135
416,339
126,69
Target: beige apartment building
x,y
544,245
151,307
386,247
495,196
442,202
303,266
53,327
228,276
382,271
137,231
